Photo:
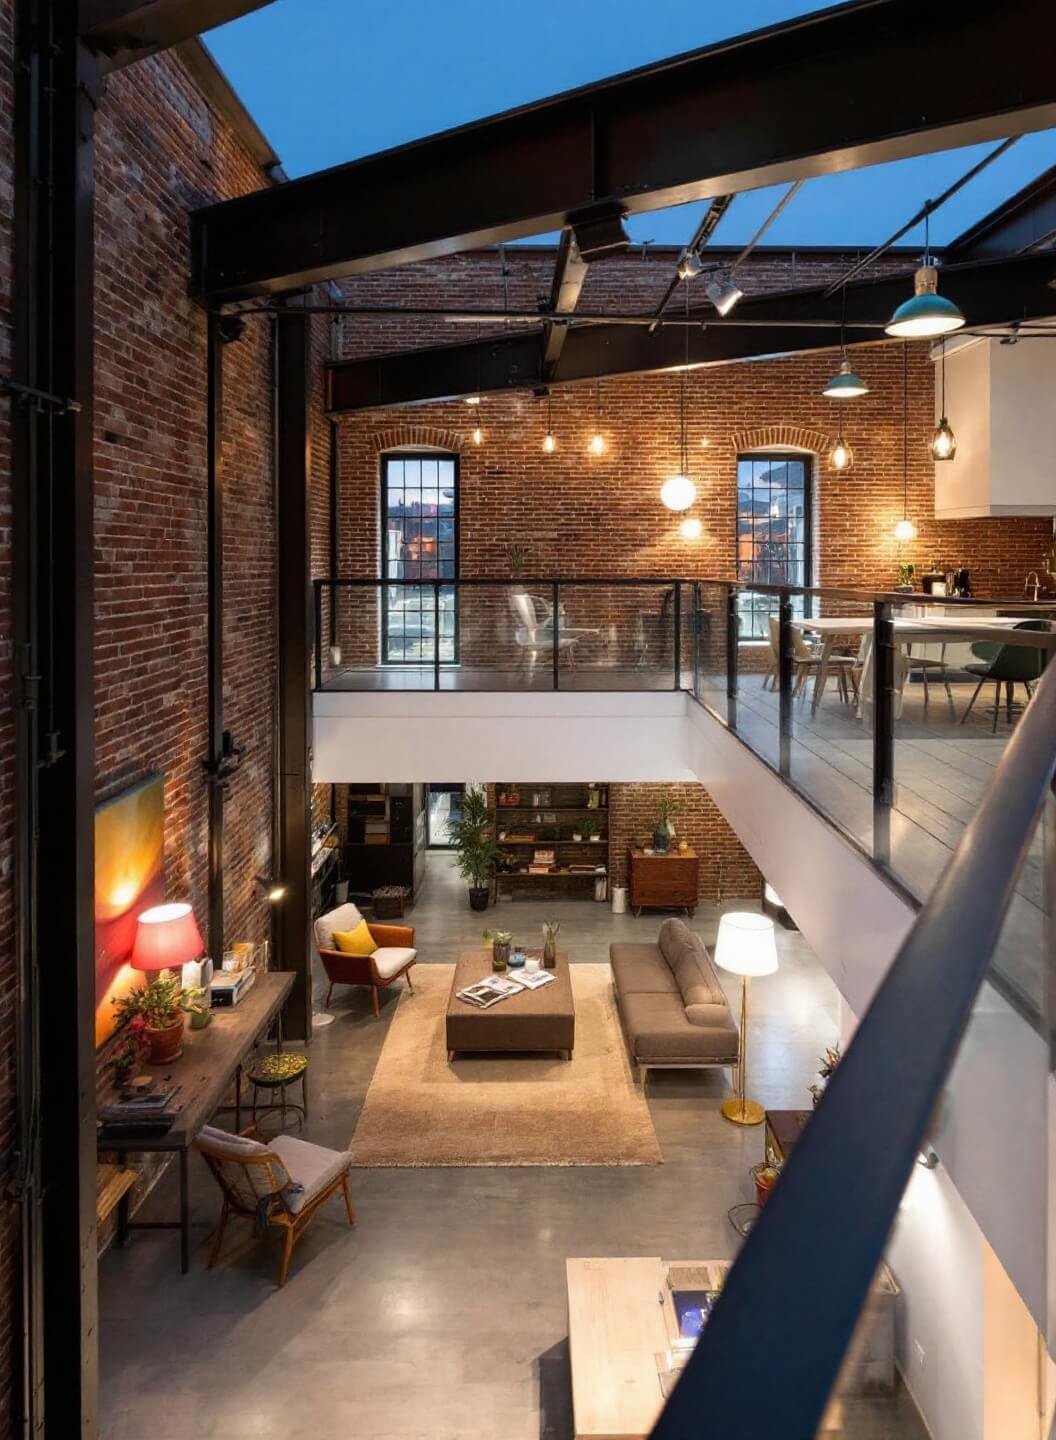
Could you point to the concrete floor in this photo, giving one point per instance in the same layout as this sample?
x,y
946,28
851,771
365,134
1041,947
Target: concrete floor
x,y
409,1325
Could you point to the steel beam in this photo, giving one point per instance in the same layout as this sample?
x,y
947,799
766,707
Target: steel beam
x,y
570,273
57,88
1025,221
122,31
293,445
989,293
688,128
215,552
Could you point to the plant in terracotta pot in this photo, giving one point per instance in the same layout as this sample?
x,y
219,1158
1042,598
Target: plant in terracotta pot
x,y
159,1007
765,1177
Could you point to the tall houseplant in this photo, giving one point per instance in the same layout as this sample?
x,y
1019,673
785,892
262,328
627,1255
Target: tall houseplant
x,y
474,845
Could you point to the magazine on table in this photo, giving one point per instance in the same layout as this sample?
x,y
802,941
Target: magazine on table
x,y
489,992
535,979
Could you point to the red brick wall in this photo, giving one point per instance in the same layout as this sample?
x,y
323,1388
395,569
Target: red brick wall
x,y
727,871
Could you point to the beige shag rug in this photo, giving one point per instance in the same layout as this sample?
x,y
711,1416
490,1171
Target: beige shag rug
x,y
422,1109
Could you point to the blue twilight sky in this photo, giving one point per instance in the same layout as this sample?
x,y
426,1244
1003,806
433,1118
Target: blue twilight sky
x,y
331,80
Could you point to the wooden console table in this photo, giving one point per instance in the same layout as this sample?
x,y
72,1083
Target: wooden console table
x,y
211,1059
669,881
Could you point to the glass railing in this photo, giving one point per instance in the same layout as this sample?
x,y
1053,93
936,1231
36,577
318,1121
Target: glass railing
x,y
938,1108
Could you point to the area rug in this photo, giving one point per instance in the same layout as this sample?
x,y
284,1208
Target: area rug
x,y
422,1109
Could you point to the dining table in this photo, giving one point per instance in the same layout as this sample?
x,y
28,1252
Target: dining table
x,y
919,629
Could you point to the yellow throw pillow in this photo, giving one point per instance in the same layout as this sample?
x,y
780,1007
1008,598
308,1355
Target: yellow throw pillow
x,y
355,942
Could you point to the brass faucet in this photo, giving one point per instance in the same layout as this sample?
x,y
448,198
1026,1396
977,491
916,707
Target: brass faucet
x,y
1032,575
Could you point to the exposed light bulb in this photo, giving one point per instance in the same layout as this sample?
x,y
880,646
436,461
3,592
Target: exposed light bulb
x,y
472,399
704,442
691,528
943,441
477,436
905,530
678,493
841,455
549,443
596,445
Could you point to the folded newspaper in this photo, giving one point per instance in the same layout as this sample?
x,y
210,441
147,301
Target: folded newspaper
x,y
486,993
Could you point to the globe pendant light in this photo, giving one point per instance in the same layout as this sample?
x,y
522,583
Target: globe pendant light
x,y
943,440
596,443
841,456
679,492
926,314
905,530
549,439
691,528
845,384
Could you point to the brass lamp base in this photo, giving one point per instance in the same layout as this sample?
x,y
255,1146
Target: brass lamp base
x,y
743,1112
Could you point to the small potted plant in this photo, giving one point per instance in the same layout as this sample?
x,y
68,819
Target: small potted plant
x,y
906,572
500,949
161,1007
765,1177
577,833
828,1065
664,826
591,829
193,1001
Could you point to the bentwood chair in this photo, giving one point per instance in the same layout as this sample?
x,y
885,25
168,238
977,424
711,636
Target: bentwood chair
x,y
282,1185
1007,665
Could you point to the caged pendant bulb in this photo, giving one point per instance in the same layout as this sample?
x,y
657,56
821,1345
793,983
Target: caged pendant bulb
x,y
477,436
943,441
905,531
549,443
841,455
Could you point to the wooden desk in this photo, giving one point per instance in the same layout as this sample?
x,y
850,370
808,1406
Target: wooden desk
x,y
211,1059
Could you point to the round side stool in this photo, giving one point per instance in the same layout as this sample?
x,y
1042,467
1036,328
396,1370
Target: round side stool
x,y
275,1072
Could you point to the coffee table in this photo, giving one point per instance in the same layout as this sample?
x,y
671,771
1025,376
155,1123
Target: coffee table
x,y
529,1022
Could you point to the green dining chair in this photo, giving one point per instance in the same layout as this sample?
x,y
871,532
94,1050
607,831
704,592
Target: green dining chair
x,y
1008,665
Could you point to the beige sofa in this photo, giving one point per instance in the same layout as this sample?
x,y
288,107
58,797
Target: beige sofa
x,y
672,1007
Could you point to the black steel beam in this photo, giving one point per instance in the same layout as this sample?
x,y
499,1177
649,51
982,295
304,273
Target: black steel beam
x,y
1025,221
570,273
989,293
293,449
845,87
57,88
122,31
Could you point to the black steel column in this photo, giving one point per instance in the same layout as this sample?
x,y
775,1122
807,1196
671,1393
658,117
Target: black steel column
x,y
293,446
883,729
215,549
785,657
676,669
57,87
733,635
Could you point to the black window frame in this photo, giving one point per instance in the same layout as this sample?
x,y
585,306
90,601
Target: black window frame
x,y
385,459
802,604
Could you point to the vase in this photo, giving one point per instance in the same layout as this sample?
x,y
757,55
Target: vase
x,y
164,1045
550,954
660,842
500,954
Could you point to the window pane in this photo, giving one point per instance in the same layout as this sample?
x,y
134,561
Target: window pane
x,y
416,545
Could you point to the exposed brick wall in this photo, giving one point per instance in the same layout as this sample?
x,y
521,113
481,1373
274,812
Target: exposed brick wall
x,y
727,871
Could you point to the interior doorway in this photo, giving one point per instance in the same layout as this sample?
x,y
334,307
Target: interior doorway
x,y
444,809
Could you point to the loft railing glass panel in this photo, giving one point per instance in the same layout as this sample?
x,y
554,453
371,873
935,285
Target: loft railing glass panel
x,y
710,648
505,638
616,637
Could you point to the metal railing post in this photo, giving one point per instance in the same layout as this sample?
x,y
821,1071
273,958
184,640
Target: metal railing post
x,y
696,639
555,626
436,634
733,635
785,657
883,729
676,669
319,632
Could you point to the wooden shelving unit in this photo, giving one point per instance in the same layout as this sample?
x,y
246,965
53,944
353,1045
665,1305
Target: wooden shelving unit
x,y
545,818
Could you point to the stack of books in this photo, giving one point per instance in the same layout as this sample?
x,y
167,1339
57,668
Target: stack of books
x,y
542,862
150,1114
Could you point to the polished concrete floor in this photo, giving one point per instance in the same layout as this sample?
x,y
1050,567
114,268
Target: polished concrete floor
x,y
443,1314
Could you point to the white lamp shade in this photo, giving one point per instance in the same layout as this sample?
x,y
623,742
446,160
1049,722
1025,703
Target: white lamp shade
x,y
746,944
678,493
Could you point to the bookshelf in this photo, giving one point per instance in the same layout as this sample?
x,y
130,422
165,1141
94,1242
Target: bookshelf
x,y
535,826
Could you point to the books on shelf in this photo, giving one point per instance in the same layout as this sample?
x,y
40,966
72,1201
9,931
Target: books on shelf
x,y
542,857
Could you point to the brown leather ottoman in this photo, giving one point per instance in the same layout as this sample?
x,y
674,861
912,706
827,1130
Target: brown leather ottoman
x,y
531,1021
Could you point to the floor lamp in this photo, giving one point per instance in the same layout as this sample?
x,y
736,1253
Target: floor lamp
x,y
745,947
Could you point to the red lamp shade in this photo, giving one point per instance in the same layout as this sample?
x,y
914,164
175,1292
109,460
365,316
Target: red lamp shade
x,y
166,938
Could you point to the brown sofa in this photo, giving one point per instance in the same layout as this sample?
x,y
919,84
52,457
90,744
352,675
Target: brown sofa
x,y
672,1007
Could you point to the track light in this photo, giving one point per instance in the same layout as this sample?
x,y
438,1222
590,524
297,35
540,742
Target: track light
x,y
926,313
723,294
845,384
841,455
678,493
691,528
689,265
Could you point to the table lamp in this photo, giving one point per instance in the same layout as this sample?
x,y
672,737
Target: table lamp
x,y
745,947
167,938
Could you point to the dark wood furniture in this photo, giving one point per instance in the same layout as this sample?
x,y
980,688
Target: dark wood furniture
x,y
663,882
530,1022
546,817
211,1059
783,1129
386,838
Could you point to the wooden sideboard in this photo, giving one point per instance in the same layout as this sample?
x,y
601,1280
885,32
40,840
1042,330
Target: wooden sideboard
x,y
663,882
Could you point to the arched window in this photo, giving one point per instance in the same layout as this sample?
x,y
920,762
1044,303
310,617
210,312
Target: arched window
x,y
419,541
773,532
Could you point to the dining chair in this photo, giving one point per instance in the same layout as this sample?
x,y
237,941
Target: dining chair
x,y
806,660
1007,665
533,630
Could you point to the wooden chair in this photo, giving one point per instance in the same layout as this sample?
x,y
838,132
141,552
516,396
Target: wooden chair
x,y
281,1185
805,660
394,956
533,630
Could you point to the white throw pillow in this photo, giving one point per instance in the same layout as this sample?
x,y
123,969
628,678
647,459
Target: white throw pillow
x,y
345,917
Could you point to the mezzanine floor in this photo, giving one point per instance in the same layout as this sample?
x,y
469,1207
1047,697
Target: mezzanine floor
x,y
443,1314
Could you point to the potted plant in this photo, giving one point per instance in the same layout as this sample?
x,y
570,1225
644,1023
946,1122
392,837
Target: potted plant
x,y
474,845
906,572
765,1177
577,832
828,1065
500,949
128,1052
517,556
159,1007
591,829
664,827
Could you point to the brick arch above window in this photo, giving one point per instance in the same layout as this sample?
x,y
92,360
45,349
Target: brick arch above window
x,y
419,437
767,437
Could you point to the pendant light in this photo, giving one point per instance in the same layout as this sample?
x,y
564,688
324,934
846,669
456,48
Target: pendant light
x,y
596,444
549,439
477,435
691,528
679,492
841,456
926,314
943,440
845,384
905,530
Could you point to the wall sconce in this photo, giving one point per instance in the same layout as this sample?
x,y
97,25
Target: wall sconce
x,y
272,890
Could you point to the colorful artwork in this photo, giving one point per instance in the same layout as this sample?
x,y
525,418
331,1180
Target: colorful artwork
x,y
129,878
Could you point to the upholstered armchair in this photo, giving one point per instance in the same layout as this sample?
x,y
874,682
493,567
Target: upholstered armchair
x,y
394,956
